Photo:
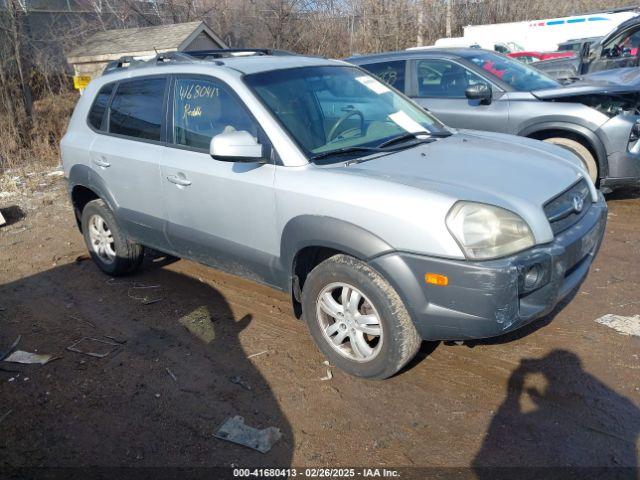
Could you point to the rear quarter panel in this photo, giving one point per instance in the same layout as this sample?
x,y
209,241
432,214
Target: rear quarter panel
x,y
76,142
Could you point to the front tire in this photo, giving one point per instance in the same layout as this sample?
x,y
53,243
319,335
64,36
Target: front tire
x,y
357,319
108,246
583,153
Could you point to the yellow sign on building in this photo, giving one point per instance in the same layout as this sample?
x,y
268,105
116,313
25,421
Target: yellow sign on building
x,y
81,81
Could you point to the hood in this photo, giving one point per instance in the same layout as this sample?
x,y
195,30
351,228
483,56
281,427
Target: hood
x,y
615,81
616,77
515,173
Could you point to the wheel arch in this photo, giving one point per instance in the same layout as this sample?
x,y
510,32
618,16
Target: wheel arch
x,y
308,240
85,186
575,132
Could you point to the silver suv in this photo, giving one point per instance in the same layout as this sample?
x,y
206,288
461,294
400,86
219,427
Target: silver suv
x,y
313,177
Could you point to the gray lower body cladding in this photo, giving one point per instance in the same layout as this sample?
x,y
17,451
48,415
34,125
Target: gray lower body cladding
x,y
624,170
491,298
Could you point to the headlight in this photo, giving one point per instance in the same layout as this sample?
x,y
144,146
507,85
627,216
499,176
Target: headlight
x,y
484,231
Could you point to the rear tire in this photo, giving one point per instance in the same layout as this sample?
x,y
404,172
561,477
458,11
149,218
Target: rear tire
x,y
581,151
372,336
108,246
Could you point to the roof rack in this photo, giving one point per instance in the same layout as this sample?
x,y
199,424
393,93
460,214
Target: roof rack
x,y
124,62
236,52
190,57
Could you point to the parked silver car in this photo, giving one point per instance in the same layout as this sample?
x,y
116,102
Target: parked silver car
x,y
315,178
479,89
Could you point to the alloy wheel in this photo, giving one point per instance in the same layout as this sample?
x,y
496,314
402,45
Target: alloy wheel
x,y
349,322
101,239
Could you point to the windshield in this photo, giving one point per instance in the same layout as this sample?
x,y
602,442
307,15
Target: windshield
x,y
336,108
521,77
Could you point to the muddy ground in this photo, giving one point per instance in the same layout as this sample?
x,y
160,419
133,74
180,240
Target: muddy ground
x,y
564,392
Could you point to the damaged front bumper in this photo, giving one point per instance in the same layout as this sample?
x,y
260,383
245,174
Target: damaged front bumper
x,y
490,298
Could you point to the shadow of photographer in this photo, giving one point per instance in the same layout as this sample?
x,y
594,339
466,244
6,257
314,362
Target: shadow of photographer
x,y
557,415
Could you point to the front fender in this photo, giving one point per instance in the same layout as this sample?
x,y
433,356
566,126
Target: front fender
x,y
592,138
319,231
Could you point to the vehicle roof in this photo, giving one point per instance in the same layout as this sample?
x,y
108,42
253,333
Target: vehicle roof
x,y
246,64
616,31
453,52
262,63
583,39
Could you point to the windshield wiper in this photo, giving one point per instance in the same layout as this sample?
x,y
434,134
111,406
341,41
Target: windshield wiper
x,y
417,135
343,150
427,138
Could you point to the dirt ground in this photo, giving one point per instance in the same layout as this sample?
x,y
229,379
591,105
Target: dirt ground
x,y
564,392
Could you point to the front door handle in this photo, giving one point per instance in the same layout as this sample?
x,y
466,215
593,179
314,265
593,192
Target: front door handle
x,y
179,180
101,162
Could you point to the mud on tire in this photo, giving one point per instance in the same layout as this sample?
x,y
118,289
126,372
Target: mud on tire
x,y
128,255
399,341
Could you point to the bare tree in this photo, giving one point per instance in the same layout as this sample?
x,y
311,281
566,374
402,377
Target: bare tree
x,y
17,27
33,72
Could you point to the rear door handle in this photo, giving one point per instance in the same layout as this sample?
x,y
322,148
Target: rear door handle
x,y
179,180
101,162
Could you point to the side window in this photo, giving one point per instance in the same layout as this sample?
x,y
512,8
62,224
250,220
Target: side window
x,y
96,114
295,106
444,79
624,45
498,47
389,72
204,108
136,109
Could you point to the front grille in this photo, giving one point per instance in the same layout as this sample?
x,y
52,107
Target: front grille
x,y
569,207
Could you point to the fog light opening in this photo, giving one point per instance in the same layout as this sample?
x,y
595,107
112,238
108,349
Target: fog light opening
x,y
532,276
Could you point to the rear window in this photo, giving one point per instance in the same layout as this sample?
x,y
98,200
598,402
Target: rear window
x,y
96,114
136,109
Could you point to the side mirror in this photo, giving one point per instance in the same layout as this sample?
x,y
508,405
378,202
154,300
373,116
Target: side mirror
x,y
236,146
479,91
585,50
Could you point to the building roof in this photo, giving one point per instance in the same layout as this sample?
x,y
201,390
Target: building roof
x,y
160,38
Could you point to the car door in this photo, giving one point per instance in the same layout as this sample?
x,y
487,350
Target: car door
x,y
124,156
440,84
220,213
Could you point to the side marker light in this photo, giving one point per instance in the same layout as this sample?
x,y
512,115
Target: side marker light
x,y
436,279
